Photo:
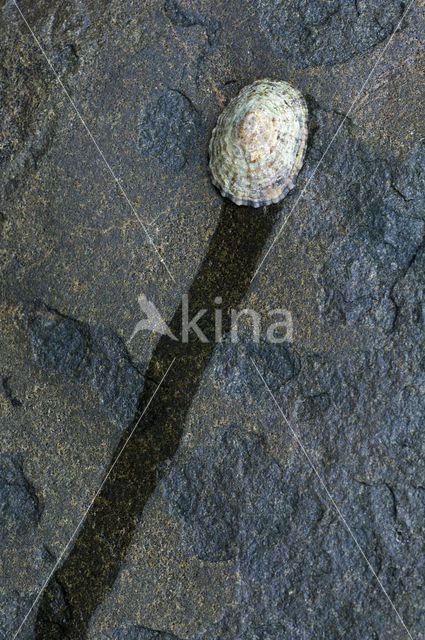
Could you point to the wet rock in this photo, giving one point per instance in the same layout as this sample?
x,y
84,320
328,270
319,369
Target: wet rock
x,y
290,548
142,633
20,508
168,128
312,33
371,275
90,355
58,607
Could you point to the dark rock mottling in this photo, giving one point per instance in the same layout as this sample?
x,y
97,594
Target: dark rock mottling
x,y
28,88
89,355
239,499
9,393
168,128
277,363
313,32
20,507
184,14
142,633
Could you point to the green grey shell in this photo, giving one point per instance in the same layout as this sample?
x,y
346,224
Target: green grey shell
x,y
257,147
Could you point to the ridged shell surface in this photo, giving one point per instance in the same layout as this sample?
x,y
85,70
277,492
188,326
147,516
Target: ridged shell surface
x,y
257,147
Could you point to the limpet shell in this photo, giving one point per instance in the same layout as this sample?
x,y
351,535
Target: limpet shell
x,y
257,147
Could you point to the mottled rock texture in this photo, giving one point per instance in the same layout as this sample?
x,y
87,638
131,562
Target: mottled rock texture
x,y
168,129
91,356
28,88
312,32
142,633
19,505
237,539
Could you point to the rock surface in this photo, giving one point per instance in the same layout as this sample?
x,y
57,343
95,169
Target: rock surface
x,y
167,129
89,355
19,506
142,633
321,33
238,539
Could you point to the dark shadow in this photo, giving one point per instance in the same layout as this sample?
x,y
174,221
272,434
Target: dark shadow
x,y
88,573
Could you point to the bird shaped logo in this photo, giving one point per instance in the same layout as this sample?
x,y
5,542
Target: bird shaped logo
x,y
153,320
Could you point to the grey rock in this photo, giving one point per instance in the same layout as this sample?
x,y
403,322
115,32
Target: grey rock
x,y
291,551
314,32
382,228
20,508
234,501
13,608
233,362
168,128
179,15
142,633
356,400
409,181
28,88
205,495
90,355
290,548
111,371
9,393
409,297
59,344
185,14
266,632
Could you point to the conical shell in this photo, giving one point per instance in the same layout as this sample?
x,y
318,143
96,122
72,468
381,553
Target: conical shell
x,y
257,147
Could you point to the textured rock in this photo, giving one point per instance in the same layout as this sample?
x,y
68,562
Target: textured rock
x,y
12,609
142,633
238,541
28,89
168,128
57,603
315,32
9,393
235,503
408,296
89,355
372,229
19,506
185,14
234,500
277,363
409,182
